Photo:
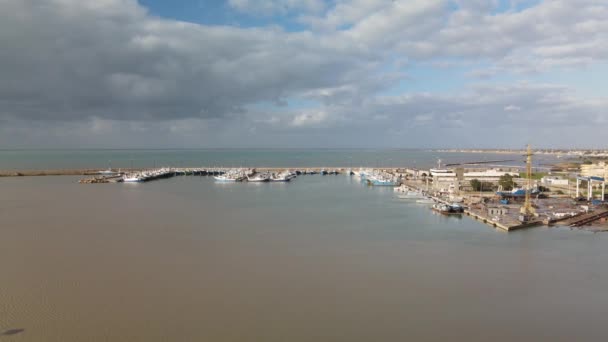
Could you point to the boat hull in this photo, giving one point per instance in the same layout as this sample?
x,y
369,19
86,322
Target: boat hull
x,y
226,180
381,183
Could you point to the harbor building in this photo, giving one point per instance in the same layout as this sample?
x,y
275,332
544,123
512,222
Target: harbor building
x,y
444,177
554,181
599,169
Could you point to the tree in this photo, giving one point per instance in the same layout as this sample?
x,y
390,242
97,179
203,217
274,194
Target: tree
x,y
478,185
475,184
506,181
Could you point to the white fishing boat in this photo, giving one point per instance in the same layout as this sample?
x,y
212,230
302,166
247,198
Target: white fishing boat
x,y
227,178
412,195
284,176
108,172
133,179
234,175
259,177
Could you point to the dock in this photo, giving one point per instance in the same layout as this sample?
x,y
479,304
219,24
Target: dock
x,y
502,225
505,223
585,219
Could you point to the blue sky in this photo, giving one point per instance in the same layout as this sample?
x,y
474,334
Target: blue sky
x,y
369,73
217,12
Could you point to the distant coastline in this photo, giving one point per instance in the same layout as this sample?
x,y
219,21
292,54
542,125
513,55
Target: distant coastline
x,y
558,152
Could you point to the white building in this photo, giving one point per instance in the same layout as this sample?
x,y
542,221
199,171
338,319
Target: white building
x,y
491,175
554,180
488,175
595,170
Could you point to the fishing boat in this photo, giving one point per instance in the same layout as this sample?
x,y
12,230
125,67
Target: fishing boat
x,y
412,195
382,182
427,200
447,209
280,177
284,176
108,172
227,178
259,177
383,179
133,179
231,176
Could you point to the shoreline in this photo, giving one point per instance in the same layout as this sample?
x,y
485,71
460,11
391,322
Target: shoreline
x,y
565,153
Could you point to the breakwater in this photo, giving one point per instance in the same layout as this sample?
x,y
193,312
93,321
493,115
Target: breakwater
x,y
181,170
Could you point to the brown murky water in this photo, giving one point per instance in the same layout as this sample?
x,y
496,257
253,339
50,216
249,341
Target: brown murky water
x,y
321,259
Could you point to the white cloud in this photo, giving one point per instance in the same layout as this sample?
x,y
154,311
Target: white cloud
x,y
110,71
276,7
309,118
511,108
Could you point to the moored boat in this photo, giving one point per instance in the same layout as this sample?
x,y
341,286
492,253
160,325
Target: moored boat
x,y
230,176
382,182
133,179
259,177
448,209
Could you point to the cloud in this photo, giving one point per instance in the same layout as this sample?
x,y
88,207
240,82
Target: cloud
x,y
276,7
549,115
309,118
69,59
511,108
109,72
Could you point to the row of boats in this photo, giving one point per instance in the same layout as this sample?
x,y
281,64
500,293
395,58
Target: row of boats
x,y
377,177
423,198
250,175
220,175
145,176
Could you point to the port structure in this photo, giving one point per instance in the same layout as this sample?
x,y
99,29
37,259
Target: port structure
x,y
590,181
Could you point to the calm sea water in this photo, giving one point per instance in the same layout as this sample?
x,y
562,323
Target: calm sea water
x,y
66,159
318,259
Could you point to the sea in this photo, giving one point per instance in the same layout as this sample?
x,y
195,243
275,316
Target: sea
x,y
293,158
321,258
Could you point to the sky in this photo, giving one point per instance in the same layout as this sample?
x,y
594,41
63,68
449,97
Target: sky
x,y
303,73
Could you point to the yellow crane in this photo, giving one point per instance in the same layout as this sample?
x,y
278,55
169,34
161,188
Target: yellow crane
x,y
527,211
